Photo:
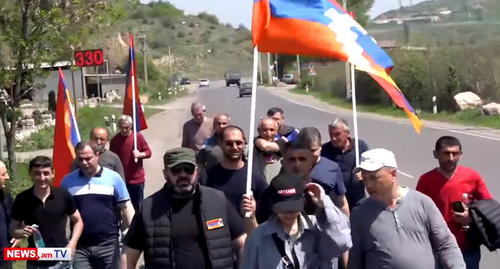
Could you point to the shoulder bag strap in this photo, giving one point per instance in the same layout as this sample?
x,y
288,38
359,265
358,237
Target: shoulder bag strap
x,y
287,263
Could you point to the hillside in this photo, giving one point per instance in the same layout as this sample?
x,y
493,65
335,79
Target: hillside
x,y
200,45
448,10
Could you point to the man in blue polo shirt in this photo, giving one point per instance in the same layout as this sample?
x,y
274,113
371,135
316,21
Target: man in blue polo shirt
x,y
99,194
341,149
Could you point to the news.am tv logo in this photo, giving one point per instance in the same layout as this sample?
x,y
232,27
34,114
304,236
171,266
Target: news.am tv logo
x,y
37,254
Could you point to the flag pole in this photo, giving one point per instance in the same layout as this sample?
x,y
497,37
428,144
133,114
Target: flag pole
x,y
132,77
252,124
354,113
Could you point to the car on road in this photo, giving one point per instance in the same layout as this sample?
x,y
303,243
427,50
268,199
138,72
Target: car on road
x,y
245,89
185,81
288,79
232,77
204,82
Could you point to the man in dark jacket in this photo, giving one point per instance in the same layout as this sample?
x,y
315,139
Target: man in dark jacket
x,y
6,201
287,131
184,225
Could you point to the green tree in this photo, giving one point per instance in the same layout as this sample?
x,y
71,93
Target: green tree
x,y
33,32
361,9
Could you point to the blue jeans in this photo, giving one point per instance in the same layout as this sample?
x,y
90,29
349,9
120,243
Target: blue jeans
x,y
472,257
136,192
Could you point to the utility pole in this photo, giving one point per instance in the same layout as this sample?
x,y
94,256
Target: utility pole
x,y
171,71
298,67
97,77
260,67
347,68
269,72
276,66
142,39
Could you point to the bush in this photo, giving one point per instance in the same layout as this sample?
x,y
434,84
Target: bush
x,y
208,18
213,27
181,35
224,39
167,22
192,24
21,181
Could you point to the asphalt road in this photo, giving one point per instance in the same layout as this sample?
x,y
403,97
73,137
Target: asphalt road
x,y
413,151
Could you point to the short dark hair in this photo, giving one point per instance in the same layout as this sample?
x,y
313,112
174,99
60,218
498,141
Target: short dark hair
x,y
87,143
232,127
40,162
449,141
275,110
307,137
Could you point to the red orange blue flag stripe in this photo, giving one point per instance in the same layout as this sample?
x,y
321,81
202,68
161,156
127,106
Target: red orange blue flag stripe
x,y
66,135
323,28
214,224
128,105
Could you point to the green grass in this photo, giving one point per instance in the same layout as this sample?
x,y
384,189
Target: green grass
x,y
88,118
468,117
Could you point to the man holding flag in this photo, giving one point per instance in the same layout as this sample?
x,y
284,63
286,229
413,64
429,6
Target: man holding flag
x,y
129,144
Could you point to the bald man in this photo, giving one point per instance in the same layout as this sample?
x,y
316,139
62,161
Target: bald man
x,y
197,129
107,158
267,150
6,201
210,153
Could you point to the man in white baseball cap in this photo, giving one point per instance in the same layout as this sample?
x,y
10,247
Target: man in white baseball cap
x,y
395,217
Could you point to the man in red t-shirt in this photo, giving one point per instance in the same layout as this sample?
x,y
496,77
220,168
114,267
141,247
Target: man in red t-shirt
x,y
447,184
123,145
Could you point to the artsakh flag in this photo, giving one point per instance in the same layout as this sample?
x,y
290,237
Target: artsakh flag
x,y
323,28
132,92
66,134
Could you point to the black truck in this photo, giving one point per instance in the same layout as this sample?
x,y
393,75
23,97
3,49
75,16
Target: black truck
x,y
232,77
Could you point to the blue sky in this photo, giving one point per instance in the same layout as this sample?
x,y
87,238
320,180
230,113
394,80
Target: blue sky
x,y
240,11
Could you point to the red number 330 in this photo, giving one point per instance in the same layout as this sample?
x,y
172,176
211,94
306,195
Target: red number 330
x,y
89,58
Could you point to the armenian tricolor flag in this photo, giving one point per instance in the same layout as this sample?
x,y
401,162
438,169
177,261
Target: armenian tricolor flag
x,y
132,103
66,134
323,28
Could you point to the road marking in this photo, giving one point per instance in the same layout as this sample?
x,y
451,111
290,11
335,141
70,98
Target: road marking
x,y
405,174
464,133
401,123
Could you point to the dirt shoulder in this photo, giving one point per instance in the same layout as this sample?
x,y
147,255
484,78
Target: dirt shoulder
x,y
164,133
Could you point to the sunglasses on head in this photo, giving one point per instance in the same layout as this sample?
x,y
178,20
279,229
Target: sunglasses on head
x,y
187,168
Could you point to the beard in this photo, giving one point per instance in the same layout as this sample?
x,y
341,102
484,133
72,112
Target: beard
x,y
233,156
182,188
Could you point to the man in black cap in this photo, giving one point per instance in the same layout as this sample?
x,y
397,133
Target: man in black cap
x,y
291,237
185,225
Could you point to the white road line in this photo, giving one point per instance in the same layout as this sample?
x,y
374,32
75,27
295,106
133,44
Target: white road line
x,y
464,133
401,123
405,174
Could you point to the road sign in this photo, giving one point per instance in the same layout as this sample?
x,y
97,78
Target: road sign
x,y
85,58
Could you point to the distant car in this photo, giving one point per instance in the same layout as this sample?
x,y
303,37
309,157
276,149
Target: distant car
x,y
245,89
204,82
288,79
185,81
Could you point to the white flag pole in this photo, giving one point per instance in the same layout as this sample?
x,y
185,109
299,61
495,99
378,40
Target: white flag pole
x,y
252,123
354,113
134,112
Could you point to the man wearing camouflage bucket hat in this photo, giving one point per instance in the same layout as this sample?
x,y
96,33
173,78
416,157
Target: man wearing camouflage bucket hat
x,y
184,225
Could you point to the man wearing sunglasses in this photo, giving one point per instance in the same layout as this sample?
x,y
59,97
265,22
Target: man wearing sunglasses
x,y
185,225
